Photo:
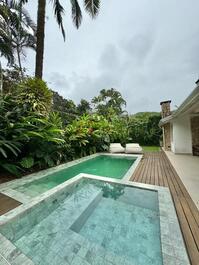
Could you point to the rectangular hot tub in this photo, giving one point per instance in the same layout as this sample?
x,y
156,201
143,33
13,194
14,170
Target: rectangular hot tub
x,y
93,221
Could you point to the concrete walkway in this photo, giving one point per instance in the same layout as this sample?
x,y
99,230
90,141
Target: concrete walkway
x,y
187,167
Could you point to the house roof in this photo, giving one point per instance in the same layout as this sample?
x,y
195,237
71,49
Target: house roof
x,y
186,107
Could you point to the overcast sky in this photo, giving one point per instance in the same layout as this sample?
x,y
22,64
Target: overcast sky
x,y
146,49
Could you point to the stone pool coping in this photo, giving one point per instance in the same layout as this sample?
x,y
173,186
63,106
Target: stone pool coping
x,y
8,188
173,248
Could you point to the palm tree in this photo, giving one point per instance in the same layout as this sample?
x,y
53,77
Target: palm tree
x,y
17,31
91,6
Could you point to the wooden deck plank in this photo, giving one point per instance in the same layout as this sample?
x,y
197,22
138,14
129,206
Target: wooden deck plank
x,y
157,169
7,204
144,174
149,166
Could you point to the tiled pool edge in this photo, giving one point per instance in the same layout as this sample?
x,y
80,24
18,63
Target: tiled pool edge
x,y
9,254
173,248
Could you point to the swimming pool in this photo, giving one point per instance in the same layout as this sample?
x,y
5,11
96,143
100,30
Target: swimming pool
x,y
113,166
94,221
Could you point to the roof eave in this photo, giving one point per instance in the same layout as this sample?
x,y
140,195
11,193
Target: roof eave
x,y
165,120
186,104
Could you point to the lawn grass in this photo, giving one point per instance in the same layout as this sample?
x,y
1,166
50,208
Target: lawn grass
x,y
151,148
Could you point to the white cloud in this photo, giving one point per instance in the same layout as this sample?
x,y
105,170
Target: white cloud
x,y
145,49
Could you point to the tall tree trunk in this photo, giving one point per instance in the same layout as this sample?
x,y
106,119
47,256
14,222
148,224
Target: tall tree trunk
x,y
19,61
40,38
1,80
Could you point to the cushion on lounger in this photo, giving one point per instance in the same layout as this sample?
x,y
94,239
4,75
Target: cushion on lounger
x,y
116,148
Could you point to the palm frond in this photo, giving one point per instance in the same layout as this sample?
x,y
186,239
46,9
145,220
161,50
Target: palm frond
x,y
27,21
76,13
92,7
29,41
59,12
23,1
16,28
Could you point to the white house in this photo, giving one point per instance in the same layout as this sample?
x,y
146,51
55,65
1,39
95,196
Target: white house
x,y
181,127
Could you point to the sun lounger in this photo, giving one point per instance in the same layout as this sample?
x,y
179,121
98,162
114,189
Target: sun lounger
x,y
133,148
116,148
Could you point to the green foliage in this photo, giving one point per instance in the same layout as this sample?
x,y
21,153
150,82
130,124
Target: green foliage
x,y
84,107
17,31
29,137
88,134
34,95
10,79
109,100
91,6
27,162
11,168
8,146
43,140
33,136
121,130
144,129
93,133
66,108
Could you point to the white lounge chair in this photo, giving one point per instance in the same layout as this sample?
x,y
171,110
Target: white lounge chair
x,y
133,148
116,148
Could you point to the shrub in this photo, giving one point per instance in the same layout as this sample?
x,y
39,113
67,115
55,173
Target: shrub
x,y
29,138
144,129
34,96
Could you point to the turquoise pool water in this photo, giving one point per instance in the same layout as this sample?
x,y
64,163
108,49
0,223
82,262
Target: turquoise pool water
x,y
91,222
103,165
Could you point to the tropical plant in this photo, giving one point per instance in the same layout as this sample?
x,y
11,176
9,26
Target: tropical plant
x,y
34,95
34,136
7,146
84,107
121,129
109,100
89,134
91,6
43,137
10,146
144,129
17,32
29,137
65,107
10,78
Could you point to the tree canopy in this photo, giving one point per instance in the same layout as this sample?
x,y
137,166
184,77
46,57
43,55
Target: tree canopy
x,y
109,100
17,31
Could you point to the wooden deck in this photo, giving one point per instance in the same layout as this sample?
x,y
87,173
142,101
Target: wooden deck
x,y
7,204
156,169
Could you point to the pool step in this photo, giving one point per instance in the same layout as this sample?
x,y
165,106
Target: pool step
x,y
81,220
80,205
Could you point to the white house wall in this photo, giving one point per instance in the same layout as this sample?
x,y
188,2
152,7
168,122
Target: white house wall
x,y
182,138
